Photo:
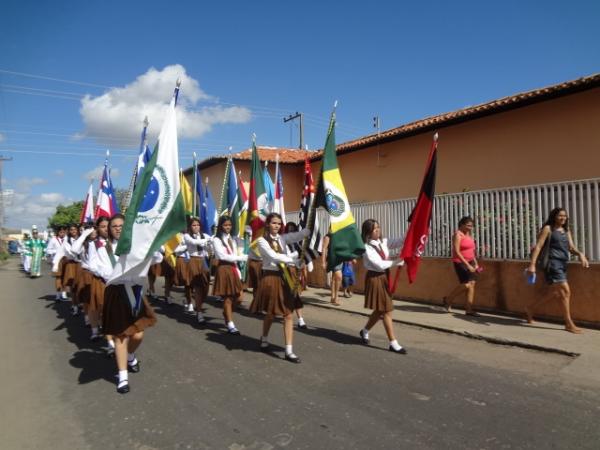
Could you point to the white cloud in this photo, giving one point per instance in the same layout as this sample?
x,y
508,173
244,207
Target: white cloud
x,y
25,210
58,173
119,112
25,184
96,173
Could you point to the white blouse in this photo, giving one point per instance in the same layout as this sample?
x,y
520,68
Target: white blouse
x,y
373,261
101,265
224,251
84,250
271,258
197,246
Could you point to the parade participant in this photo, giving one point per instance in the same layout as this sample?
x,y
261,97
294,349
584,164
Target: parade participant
x,y
70,268
180,277
165,270
465,265
559,245
26,253
55,253
228,283
126,312
377,297
155,271
36,246
84,248
291,227
336,273
197,282
277,294
254,270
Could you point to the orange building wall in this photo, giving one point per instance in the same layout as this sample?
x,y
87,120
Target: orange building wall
x,y
555,140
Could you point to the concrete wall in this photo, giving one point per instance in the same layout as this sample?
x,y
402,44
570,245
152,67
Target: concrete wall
x,y
501,287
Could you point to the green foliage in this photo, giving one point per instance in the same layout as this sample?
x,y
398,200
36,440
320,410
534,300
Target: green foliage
x,y
4,256
65,215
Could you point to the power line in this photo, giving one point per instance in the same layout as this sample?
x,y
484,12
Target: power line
x,y
41,77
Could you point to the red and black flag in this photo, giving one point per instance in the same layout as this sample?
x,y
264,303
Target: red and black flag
x,y
420,218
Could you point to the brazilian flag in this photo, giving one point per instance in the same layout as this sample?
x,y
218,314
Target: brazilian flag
x,y
345,241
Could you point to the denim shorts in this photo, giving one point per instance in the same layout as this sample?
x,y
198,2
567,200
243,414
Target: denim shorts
x,y
556,271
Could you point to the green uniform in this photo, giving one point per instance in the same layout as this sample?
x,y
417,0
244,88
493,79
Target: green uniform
x,y
36,247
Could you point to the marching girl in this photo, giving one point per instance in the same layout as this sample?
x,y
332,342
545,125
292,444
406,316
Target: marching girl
x,y
181,276
84,248
55,252
98,285
275,297
70,267
377,297
126,312
198,276
291,227
228,284
254,271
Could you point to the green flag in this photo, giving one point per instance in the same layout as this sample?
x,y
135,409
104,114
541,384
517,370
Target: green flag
x,y
345,242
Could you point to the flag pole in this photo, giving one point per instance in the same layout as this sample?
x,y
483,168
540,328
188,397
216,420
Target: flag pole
x,y
223,187
144,141
195,184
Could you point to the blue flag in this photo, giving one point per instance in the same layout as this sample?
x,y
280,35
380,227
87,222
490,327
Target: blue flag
x,y
269,189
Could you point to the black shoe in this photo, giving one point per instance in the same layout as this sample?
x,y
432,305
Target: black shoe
x,y
95,337
402,350
110,352
233,331
302,327
133,368
292,358
264,348
363,338
123,389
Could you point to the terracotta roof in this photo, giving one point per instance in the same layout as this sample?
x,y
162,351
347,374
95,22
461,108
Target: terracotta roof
x,y
470,113
286,156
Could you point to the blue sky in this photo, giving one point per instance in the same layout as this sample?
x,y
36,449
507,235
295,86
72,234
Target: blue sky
x,y
249,64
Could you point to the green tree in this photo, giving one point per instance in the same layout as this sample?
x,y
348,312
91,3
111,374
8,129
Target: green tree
x,y
65,215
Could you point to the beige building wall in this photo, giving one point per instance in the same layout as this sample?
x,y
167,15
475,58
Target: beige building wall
x,y
554,140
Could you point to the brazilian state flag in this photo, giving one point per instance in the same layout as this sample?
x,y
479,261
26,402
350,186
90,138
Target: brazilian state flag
x,y
345,242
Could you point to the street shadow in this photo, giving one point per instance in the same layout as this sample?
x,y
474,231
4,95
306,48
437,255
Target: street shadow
x,y
89,356
332,335
486,320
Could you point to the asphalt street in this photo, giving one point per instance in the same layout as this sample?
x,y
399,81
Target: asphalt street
x,y
201,388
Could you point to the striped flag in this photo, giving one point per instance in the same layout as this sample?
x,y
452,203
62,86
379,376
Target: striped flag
x,y
420,217
87,212
314,241
345,240
269,188
106,201
257,199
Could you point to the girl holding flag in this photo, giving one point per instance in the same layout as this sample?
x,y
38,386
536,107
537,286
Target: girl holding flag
x,y
197,274
377,297
228,284
120,318
276,294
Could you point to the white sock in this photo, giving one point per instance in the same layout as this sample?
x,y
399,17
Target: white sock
x,y
111,343
394,344
58,296
366,333
230,324
94,331
123,377
86,319
288,350
301,321
131,360
264,341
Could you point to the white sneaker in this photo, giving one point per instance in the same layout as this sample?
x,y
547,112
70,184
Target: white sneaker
x,y
63,294
190,308
58,297
200,317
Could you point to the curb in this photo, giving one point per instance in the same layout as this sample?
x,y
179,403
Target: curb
x,y
480,337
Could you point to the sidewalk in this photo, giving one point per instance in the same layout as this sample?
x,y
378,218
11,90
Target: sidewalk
x,y
493,328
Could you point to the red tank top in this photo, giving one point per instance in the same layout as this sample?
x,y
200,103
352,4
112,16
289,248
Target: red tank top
x,y
467,247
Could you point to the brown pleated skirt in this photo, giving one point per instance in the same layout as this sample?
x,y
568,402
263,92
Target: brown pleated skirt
x,y
227,282
97,294
198,275
254,271
377,297
273,296
117,318
155,270
68,271
181,276
84,286
74,283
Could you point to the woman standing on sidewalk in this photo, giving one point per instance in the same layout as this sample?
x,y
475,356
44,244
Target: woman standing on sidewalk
x,y
556,229
465,265
377,297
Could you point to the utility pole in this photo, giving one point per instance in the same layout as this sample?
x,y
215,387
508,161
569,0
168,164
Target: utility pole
x,y
2,159
301,117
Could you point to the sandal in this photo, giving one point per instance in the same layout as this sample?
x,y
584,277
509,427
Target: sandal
x,y
445,304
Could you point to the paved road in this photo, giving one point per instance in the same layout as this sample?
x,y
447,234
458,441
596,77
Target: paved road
x,y
200,388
